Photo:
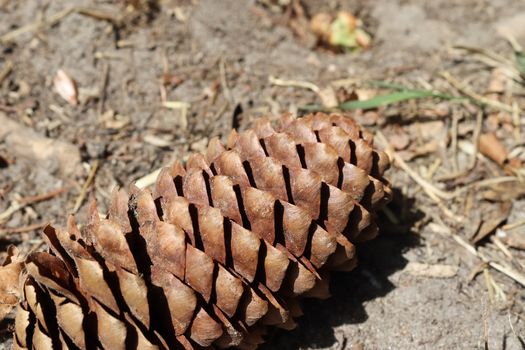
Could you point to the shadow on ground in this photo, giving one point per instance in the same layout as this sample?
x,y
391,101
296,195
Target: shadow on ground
x,y
378,259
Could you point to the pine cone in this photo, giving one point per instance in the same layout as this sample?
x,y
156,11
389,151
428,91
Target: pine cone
x,y
218,251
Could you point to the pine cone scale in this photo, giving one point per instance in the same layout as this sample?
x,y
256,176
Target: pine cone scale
x,y
320,156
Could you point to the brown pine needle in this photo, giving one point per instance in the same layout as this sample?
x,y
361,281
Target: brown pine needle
x,y
476,97
13,208
426,185
36,25
4,73
22,203
89,180
57,17
43,197
510,272
21,229
434,192
513,225
294,83
224,82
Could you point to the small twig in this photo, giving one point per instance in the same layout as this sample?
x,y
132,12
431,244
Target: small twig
x,y
475,140
35,26
103,87
490,54
163,93
433,168
500,294
182,107
513,226
486,183
489,285
501,246
221,110
13,208
59,111
454,142
100,15
103,55
476,270
21,229
515,275
474,96
512,40
176,105
519,316
443,207
473,161
224,82
42,197
509,71
516,121
427,186
433,192
5,190
294,83
8,67
24,202
165,73
89,180
347,82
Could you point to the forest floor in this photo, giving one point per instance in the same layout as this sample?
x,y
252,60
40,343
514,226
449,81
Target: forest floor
x,y
157,82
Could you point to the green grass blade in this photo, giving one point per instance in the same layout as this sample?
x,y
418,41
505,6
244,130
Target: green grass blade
x,y
520,62
394,97
313,108
403,94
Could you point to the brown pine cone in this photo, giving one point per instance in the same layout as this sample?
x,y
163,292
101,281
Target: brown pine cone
x,y
218,251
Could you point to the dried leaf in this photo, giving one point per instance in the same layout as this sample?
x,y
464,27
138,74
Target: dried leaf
x,y
492,220
419,150
66,87
491,147
362,38
398,138
320,25
328,97
9,277
343,30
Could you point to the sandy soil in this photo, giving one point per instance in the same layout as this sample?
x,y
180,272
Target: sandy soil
x,y
217,56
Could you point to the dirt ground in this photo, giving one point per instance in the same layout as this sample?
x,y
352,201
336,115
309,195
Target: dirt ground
x,y
218,61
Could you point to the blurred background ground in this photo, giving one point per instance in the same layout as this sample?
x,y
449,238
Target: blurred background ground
x,y
156,80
